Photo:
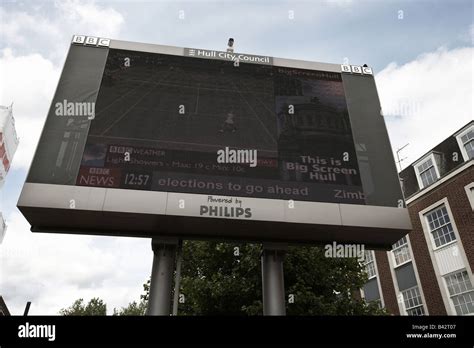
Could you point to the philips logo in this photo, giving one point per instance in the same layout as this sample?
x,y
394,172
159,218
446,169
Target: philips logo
x,y
90,41
228,207
229,212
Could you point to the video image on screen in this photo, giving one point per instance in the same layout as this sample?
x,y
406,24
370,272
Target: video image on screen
x,y
161,120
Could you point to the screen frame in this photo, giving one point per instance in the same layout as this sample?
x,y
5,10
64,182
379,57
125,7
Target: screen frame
x,y
48,209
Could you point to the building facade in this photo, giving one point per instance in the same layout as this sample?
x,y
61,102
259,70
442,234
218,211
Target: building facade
x,y
8,145
429,271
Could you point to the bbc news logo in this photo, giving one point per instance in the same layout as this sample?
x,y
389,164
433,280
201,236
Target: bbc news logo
x,y
90,41
355,69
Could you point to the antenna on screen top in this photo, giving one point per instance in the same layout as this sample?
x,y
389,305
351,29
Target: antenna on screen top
x,y
230,45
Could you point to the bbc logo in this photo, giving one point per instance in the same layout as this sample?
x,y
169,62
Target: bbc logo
x,y
355,69
90,41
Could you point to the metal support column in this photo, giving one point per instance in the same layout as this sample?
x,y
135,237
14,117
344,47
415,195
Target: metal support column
x,y
159,299
272,279
177,278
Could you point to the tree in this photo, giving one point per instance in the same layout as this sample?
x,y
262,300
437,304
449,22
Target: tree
x,y
133,308
95,307
225,279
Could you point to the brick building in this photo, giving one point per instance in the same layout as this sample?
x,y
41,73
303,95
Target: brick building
x,y
8,145
429,271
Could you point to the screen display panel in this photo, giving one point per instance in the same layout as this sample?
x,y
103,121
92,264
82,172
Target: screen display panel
x,y
180,124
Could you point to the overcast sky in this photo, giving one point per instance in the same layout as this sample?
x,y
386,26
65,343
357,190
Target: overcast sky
x,y
421,52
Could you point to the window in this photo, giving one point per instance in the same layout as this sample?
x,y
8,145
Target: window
x,y
369,263
401,252
461,292
440,226
426,171
470,194
413,302
466,143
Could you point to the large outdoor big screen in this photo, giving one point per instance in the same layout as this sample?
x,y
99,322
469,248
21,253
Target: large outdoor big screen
x,y
152,141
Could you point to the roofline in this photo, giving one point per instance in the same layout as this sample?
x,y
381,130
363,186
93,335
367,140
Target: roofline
x,y
459,131
432,149
442,180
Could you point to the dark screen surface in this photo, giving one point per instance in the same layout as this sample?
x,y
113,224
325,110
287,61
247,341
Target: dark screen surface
x,y
161,120
62,141
374,152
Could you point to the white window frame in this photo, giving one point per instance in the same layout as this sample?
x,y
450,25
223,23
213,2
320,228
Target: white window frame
x,y
451,221
450,297
470,193
420,162
439,278
376,276
400,303
406,245
372,261
460,144
441,181
422,305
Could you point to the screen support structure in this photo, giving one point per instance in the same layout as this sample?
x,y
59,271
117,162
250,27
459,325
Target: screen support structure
x,y
273,286
177,278
164,254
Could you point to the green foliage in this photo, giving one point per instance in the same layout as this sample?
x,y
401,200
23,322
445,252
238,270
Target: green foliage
x,y
225,279
133,308
220,278
94,307
97,307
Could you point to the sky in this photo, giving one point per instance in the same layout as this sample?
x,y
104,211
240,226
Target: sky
x,y
421,53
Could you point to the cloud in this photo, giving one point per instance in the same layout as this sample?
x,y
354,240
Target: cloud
x,y
427,99
54,270
49,27
340,2
30,82
96,20
471,33
19,28
34,45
